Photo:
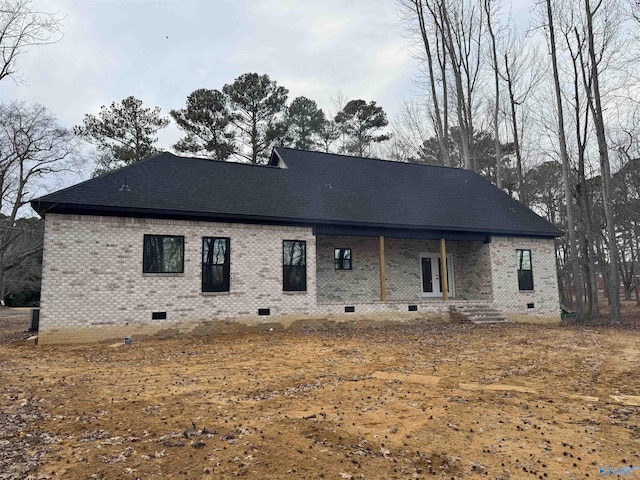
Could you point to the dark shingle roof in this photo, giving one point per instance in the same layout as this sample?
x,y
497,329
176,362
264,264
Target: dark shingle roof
x,y
314,189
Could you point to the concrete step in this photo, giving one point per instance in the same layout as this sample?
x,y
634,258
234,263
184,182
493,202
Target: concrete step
x,y
488,319
478,314
483,311
478,308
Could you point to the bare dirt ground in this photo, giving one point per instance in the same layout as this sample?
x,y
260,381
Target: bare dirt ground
x,y
445,400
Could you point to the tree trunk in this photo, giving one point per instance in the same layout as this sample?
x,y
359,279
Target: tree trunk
x,y
559,274
636,256
626,270
614,284
440,128
604,272
461,101
516,141
573,244
445,102
582,192
254,140
496,85
2,286
593,279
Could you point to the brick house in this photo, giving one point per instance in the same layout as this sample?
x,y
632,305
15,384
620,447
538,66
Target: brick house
x,y
175,245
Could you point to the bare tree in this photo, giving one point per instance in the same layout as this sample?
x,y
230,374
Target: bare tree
x,y
463,30
595,104
21,27
32,147
22,262
577,274
415,11
491,14
411,129
578,119
581,81
451,35
523,72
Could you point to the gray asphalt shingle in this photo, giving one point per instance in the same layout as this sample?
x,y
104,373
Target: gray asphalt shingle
x,y
315,188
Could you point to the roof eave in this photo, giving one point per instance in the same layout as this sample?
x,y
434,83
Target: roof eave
x,y
43,208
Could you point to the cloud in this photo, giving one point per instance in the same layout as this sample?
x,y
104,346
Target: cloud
x,y
160,51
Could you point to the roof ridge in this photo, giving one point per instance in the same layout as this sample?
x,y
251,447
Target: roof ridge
x,y
387,160
217,160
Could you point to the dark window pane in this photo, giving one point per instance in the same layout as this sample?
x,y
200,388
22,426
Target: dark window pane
x,y
294,269
525,270
215,264
427,280
163,254
294,279
525,279
342,258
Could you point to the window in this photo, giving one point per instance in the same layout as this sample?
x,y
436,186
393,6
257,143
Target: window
x,y
525,272
343,258
294,266
215,264
163,254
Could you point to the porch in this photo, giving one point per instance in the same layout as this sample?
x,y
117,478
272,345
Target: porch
x,y
373,270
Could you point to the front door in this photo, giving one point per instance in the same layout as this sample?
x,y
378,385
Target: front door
x,y
430,264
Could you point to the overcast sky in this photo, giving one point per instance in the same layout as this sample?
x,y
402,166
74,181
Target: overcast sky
x,y
160,51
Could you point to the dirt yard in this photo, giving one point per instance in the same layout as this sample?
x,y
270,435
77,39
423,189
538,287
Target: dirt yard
x,y
445,400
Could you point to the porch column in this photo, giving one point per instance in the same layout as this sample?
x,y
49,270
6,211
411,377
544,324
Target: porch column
x,y
383,290
443,269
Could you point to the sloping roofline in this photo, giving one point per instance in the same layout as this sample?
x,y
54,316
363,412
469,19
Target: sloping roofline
x,y
304,188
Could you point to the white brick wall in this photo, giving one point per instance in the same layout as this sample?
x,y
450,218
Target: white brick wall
x,y
506,295
362,283
93,286
471,262
93,272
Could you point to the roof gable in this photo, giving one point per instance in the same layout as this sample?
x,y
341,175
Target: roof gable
x,y
304,187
